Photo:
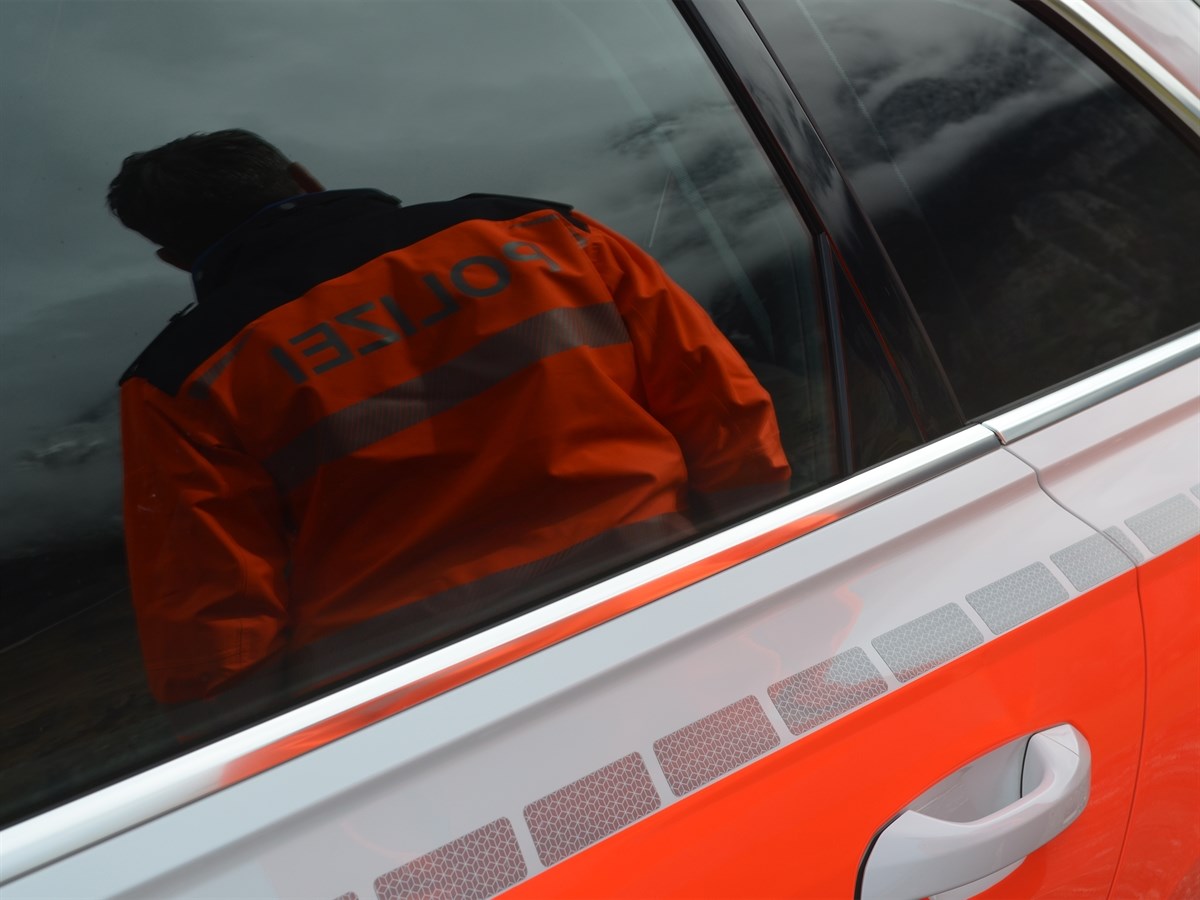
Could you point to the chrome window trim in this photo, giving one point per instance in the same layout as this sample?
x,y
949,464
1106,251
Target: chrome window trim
x,y
80,823
1155,77
1054,407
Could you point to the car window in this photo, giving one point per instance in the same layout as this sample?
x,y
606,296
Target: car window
x,y
1040,217
609,110
881,416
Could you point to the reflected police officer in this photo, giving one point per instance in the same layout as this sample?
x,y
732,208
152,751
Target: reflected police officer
x,y
372,406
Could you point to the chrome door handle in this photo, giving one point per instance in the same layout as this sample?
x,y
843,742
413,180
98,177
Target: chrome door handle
x,y
918,855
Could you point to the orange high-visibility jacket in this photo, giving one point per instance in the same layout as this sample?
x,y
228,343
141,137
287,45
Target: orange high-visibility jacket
x,y
371,404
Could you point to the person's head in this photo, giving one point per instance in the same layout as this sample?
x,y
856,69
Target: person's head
x,y
189,193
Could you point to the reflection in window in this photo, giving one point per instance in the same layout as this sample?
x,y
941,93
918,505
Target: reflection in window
x,y
1043,221
882,417
607,107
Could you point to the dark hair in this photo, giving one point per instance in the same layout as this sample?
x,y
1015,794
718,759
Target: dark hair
x,y
189,193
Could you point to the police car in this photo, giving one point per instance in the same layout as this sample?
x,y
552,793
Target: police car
x,y
956,242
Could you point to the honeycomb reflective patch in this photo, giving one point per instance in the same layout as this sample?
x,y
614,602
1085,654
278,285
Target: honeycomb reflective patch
x,y
927,642
1122,540
705,750
1090,562
477,865
1169,523
1018,597
826,690
591,808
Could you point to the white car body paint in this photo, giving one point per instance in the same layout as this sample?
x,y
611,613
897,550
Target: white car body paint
x,y
1169,30
1122,457
337,818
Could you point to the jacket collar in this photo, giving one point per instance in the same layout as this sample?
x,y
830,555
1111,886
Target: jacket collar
x,y
262,238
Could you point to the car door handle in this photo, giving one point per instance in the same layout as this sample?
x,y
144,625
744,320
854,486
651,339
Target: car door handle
x,y
918,855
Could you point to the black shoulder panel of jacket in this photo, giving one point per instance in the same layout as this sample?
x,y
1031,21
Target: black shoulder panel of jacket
x,y
284,252
506,206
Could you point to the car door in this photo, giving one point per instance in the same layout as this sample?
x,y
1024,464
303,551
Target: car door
x,y
743,715
746,735
1130,466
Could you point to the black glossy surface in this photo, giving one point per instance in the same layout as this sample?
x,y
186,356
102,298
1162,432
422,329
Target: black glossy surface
x,y
1044,222
772,107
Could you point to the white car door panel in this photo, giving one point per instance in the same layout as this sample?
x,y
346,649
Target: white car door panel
x,y
1130,466
498,780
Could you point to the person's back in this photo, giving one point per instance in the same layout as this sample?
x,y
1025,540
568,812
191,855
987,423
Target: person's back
x,y
372,405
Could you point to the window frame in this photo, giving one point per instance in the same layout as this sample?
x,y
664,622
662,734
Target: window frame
x,y
1125,61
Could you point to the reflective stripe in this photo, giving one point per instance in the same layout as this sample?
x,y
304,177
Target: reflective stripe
x,y
587,810
477,865
1121,539
826,690
1092,561
927,641
1163,526
714,746
1015,598
469,375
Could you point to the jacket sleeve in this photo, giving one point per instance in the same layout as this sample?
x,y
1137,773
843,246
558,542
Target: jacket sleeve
x,y
205,545
696,383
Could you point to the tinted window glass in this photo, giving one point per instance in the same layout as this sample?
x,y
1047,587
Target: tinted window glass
x,y
882,418
1043,221
608,107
